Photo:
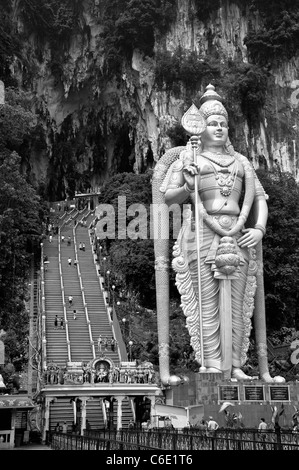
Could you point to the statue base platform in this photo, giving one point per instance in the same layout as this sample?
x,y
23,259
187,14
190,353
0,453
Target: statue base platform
x,y
251,399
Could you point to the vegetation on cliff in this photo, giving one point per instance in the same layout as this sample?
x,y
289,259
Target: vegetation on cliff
x,y
21,216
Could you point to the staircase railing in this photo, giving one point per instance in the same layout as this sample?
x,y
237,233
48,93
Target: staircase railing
x,y
43,309
83,295
63,298
116,331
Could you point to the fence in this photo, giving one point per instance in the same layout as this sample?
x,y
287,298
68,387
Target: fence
x,y
177,440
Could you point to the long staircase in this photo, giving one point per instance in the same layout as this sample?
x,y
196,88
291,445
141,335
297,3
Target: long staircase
x,y
56,346
76,341
80,341
97,310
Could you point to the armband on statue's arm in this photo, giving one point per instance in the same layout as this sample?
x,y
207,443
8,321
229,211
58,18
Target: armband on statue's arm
x,y
261,228
176,191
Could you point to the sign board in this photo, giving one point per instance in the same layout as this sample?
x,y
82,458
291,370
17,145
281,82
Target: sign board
x,y
254,393
279,393
228,392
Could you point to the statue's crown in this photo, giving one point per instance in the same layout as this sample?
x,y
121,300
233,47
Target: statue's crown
x,y
211,103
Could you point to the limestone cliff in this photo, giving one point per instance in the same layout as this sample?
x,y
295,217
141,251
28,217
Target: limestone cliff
x,y
94,124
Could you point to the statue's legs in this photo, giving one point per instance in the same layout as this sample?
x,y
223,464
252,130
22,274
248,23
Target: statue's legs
x,y
210,313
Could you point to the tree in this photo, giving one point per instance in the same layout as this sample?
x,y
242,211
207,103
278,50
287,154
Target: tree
x,y
21,214
281,252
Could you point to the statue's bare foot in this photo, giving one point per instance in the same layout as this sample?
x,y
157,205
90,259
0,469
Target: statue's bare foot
x,y
266,377
213,370
278,379
239,374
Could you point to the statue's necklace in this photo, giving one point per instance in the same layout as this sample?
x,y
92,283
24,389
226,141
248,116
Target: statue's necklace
x,y
246,206
221,159
225,178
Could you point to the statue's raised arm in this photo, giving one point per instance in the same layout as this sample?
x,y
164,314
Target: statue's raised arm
x,y
217,256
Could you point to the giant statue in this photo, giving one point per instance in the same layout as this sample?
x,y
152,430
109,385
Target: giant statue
x,y
217,255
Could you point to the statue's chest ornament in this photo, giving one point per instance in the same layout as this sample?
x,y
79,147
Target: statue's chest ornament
x,y
225,177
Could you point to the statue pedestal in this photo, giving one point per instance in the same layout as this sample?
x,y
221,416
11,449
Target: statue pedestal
x,y
250,400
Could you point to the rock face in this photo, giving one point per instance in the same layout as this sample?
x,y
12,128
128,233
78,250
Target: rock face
x,y
93,125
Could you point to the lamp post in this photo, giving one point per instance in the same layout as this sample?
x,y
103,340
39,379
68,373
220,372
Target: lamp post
x,y
113,295
124,328
130,349
107,406
99,247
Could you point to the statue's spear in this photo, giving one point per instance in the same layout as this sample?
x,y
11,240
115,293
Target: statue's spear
x,y
194,124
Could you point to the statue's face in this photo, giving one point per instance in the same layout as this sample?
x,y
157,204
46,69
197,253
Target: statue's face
x,y
216,132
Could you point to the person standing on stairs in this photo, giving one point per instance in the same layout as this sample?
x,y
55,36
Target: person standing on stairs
x,y
75,314
70,300
100,343
56,322
61,323
70,261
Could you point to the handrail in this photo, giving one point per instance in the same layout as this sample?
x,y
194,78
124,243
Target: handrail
x,y
121,349
43,311
63,297
39,334
83,295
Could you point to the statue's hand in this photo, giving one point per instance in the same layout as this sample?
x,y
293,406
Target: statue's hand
x,y
250,238
189,172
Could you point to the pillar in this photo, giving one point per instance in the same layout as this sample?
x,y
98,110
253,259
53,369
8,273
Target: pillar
x,y
153,408
47,418
13,427
119,411
84,401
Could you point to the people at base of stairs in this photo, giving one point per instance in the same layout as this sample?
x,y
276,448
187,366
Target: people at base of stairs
x,y
58,428
64,427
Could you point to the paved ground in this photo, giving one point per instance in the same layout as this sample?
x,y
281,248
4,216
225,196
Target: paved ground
x,y
33,447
